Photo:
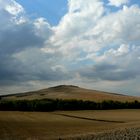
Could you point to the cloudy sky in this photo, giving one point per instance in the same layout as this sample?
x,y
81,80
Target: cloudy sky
x,y
89,43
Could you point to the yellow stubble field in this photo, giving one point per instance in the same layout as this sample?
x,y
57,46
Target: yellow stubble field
x,y
64,124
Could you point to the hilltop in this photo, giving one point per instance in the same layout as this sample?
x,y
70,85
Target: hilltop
x,y
71,92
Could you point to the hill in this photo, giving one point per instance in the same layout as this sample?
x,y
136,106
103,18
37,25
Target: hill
x,y
71,92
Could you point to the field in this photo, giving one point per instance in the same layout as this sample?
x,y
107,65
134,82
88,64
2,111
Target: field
x,y
69,124
72,92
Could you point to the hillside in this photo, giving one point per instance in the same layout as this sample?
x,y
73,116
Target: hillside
x,y
71,92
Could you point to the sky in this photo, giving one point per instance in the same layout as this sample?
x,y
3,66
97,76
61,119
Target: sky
x,y
93,44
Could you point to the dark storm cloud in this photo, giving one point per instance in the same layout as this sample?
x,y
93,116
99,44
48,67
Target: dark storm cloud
x,y
109,72
18,38
13,70
12,41
21,58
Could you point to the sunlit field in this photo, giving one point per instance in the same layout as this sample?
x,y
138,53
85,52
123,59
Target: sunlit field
x,y
65,124
71,92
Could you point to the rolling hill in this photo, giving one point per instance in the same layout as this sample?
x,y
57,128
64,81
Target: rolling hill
x,y
71,92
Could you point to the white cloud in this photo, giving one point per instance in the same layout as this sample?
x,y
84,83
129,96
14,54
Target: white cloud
x,y
108,39
80,41
11,6
82,15
11,13
88,44
14,8
121,51
118,3
42,28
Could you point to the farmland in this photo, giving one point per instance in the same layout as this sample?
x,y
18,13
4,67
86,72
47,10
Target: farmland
x,y
71,92
66,124
85,124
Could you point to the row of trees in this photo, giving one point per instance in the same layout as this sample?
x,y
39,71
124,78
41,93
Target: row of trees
x,y
58,104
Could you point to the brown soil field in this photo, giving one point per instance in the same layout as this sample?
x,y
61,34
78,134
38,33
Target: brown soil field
x,y
105,124
72,92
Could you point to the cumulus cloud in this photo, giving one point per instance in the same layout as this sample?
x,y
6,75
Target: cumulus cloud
x,y
108,30
21,43
11,7
81,16
118,3
42,27
108,42
88,44
121,51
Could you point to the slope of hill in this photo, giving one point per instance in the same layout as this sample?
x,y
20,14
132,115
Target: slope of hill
x,y
71,92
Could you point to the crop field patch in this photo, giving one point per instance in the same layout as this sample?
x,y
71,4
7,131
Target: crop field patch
x,y
64,124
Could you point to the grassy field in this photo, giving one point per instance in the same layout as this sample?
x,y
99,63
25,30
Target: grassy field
x,y
65,124
72,92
